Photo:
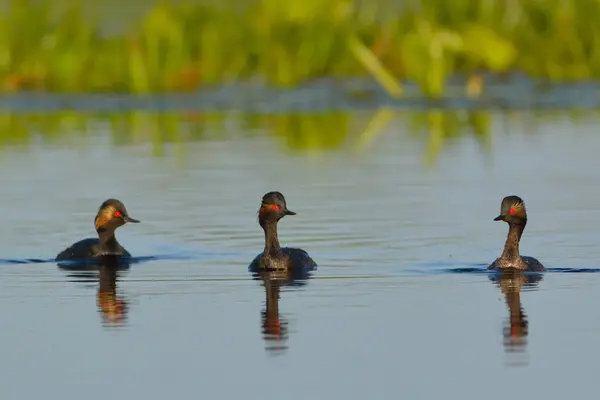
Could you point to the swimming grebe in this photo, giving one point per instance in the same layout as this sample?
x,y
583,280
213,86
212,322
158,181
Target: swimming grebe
x,y
272,209
513,212
111,215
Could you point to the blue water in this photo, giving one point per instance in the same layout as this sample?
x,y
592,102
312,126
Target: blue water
x,y
400,306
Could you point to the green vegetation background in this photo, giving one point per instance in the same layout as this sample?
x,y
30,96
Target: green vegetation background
x,y
74,46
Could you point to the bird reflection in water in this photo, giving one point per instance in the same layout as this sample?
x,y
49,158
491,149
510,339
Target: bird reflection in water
x,y
516,329
112,305
274,325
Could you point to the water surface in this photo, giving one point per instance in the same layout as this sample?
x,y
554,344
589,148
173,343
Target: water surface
x,y
391,216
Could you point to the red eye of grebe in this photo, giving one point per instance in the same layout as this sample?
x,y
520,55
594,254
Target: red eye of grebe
x,y
511,211
117,214
275,207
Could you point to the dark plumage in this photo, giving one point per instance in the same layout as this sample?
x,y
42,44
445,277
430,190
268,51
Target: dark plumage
x,y
513,212
272,209
111,215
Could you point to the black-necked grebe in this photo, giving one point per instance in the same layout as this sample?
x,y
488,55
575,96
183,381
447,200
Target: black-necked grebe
x,y
111,215
513,212
272,209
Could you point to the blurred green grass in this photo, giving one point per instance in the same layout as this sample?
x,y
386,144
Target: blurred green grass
x,y
62,46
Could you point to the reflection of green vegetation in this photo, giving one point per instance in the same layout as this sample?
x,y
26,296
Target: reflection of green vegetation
x,y
301,133
443,126
49,45
306,132
170,133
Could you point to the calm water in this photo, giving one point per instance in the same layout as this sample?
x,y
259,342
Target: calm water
x,y
387,314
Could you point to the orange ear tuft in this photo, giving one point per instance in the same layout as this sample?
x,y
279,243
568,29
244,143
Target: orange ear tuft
x,y
103,217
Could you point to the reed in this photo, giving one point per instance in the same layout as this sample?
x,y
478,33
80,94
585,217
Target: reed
x,y
54,45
